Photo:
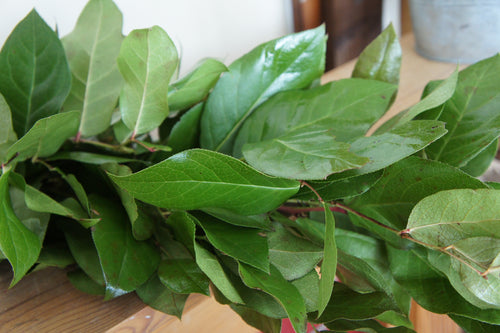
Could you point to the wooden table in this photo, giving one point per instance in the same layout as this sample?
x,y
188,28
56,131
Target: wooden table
x,y
45,301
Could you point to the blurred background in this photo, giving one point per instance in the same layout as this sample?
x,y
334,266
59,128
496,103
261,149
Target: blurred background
x,y
226,29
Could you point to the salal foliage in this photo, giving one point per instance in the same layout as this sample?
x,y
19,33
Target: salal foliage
x,y
249,181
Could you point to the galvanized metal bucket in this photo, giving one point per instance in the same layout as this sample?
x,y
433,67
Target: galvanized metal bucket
x,y
463,31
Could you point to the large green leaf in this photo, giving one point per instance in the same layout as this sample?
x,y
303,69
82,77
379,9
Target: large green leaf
x,y
449,216
34,74
311,153
17,243
7,134
402,186
148,59
286,63
159,297
347,107
253,318
471,115
286,248
243,244
390,147
261,221
329,264
431,289
85,283
183,276
92,48
196,85
46,136
381,59
199,178
126,262
284,292
481,162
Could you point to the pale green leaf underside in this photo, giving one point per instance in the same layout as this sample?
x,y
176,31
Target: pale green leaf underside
x,y
147,61
92,48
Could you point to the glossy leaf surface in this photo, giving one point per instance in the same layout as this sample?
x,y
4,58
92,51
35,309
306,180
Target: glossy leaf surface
x,y
147,61
92,48
199,178
195,86
381,59
185,133
309,154
183,276
120,255
34,74
348,108
286,63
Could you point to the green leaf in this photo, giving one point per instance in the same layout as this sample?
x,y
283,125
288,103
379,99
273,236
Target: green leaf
x,y
160,298
286,248
402,186
430,289
311,153
243,244
90,158
286,63
55,255
340,189
92,48
437,97
471,115
85,283
141,222
126,262
257,320
7,133
308,287
252,221
183,276
34,74
381,59
479,291
198,178
211,266
46,136
82,248
185,133
284,292
348,304
19,245
363,267
474,326
368,325
195,86
479,164
347,107
446,217
388,148
329,264
147,61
